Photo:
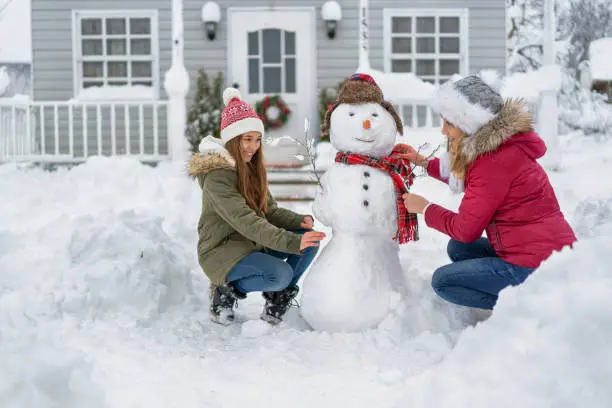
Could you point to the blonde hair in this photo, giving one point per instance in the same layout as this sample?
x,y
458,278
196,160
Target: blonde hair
x,y
458,160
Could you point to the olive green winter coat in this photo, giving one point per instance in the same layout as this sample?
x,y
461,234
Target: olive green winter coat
x,y
228,228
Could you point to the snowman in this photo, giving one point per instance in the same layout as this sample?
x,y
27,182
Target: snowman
x,y
352,284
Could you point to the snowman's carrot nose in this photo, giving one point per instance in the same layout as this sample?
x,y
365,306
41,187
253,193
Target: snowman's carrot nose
x,y
366,124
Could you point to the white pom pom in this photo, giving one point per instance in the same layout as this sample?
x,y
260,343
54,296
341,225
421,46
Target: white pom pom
x,y
492,78
231,93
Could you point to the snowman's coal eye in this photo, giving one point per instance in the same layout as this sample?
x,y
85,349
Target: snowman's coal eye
x,y
351,113
375,114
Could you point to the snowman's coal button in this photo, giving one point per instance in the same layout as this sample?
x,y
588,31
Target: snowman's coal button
x,y
365,203
365,187
366,173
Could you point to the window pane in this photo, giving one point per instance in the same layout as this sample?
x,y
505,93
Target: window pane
x,y
449,24
425,25
449,45
289,43
449,66
401,65
117,69
115,26
401,45
89,84
91,26
426,67
93,69
253,42
290,75
91,47
142,69
140,26
271,42
426,45
115,47
117,83
253,75
140,46
401,24
272,79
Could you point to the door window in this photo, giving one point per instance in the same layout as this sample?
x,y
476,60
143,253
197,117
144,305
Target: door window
x,y
271,61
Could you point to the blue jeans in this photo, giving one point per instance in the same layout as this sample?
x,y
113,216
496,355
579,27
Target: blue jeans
x,y
270,271
476,276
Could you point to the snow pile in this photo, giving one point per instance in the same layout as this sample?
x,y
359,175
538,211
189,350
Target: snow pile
x,y
547,344
402,86
529,85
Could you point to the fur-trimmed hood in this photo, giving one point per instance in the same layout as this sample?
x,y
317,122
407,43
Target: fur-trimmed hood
x,y
212,156
512,119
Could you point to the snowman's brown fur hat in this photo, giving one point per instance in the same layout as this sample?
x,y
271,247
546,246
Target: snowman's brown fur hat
x,y
358,89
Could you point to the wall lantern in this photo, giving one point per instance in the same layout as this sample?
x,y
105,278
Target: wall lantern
x,y
211,15
331,13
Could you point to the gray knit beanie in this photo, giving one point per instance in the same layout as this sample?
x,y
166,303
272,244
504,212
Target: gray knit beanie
x,y
468,103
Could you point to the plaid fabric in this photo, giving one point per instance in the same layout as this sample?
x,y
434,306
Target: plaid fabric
x,y
407,223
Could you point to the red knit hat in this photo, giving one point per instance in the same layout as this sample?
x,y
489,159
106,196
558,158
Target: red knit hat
x,y
238,117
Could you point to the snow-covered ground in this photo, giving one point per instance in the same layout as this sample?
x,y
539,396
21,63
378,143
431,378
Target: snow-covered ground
x,y
103,304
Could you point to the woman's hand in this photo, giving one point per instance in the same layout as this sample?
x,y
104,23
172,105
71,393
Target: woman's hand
x,y
414,203
308,222
408,153
311,239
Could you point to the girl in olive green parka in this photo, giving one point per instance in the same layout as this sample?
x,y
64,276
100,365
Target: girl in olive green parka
x,y
246,242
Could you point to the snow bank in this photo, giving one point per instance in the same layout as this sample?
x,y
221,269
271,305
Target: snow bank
x,y
546,345
402,86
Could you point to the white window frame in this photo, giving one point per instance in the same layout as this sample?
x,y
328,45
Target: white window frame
x,y
463,56
77,56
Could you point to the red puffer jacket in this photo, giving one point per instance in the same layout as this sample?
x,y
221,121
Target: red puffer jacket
x,y
507,193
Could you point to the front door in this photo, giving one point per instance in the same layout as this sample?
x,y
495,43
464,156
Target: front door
x,y
273,53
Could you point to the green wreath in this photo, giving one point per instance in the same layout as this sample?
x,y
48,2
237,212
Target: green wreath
x,y
262,107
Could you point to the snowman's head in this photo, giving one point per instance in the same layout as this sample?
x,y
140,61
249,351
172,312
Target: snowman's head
x,y
366,128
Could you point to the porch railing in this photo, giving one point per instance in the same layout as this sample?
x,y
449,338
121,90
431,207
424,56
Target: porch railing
x,y
73,131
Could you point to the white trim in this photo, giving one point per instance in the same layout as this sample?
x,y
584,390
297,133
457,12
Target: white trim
x,y
77,57
463,56
242,126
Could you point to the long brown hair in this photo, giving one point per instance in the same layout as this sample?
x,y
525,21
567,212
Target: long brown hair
x,y
252,176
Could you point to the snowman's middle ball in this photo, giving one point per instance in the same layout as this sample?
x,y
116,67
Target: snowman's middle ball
x,y
367,129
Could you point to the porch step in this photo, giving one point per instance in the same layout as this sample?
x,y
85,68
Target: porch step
x,y
292,184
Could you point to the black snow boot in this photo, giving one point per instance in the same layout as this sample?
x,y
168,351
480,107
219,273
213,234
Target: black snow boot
x,y
222,301
277,304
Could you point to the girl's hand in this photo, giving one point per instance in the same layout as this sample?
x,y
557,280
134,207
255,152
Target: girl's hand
x,y
308,222
414,203
311,239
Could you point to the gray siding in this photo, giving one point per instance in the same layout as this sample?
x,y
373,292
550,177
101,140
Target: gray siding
x,y
336,58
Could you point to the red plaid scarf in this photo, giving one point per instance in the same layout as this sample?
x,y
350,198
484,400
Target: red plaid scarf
x,y
407,223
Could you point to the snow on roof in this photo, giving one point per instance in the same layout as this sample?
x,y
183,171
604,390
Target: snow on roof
x,y
600,61
15,32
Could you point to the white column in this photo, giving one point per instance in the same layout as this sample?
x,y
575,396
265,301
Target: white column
x,y
364,43
548,112
176,84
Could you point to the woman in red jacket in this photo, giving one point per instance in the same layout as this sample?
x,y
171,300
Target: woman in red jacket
x,y
492,158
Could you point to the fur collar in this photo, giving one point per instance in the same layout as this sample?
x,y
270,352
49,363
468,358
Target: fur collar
x,y
512,119
212,156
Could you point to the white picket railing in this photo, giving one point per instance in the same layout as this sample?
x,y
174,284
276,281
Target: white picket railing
x,y
72,131
416,113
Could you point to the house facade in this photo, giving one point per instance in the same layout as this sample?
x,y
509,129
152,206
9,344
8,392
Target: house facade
x,y
108,58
